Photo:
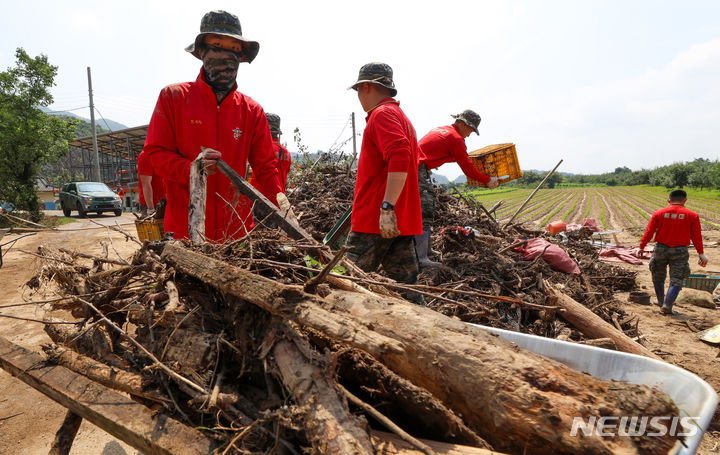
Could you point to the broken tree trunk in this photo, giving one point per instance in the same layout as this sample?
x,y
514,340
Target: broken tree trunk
x,y
329,425
515,399
592,325
289,302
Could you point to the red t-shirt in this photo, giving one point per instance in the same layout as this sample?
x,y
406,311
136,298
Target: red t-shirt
x,y
144,167
389,145
674,226
186,117
444,144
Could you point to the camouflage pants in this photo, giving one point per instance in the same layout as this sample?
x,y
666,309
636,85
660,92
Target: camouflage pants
x,y
397,255
427,196
677,258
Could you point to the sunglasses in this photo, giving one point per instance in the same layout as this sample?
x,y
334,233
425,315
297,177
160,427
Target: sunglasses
x,y
215,48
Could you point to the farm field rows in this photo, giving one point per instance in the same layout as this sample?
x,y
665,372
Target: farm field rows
x,y
612,207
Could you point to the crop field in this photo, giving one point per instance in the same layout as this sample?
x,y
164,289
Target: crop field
x,y
618,207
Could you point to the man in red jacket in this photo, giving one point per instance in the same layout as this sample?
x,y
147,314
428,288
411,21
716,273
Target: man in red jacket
x,y
281,152
444,144
673,227
211,113
152,189
386,204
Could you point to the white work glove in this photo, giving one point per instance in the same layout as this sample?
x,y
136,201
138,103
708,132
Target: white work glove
x,y
493,183
388,224
640,253
702,260
286,208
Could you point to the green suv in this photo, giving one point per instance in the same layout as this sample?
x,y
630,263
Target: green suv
x,y
89,197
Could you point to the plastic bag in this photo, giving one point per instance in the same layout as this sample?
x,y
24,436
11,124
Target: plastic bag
x,y
552,254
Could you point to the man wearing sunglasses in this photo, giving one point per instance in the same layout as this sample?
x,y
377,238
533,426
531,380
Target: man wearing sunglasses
x,y
209,113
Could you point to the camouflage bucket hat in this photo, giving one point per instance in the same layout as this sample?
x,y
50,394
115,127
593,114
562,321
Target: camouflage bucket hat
x,y
470,118
223,23
274,122
377,73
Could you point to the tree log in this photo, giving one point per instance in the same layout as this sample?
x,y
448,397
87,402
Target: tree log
x,y
289,302
593,326
114,378
329,425
515,399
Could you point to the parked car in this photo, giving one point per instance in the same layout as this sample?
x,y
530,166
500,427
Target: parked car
x,y
89,197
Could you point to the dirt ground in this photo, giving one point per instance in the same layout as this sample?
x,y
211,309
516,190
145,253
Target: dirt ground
x,y
29,420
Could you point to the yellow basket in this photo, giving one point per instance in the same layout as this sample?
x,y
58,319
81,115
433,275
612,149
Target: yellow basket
x,y
149,229
496,161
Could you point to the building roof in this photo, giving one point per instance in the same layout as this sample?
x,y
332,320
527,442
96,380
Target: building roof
x,y
112,143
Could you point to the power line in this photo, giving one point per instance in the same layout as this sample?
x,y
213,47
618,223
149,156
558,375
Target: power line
x,y
103,119
66,110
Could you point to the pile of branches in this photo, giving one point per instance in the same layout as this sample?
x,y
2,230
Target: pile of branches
x,y
476,255
474,259
223,338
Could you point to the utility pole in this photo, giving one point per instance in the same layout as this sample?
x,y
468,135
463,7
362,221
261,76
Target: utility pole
x,y
353,128
96,155
352,117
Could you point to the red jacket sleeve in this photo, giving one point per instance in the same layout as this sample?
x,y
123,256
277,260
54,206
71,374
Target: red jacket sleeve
x,y
695,235
160,142
459,151
263,160
393,141
144,166
649,231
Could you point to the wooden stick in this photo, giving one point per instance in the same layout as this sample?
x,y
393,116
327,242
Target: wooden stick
x,y
198,199
593,326
262,205
93,257
65,436
384,421
510,247
418,288
311,285
162,366
531,195
22,220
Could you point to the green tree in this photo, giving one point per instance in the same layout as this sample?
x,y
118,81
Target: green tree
x,y
29,138
554,180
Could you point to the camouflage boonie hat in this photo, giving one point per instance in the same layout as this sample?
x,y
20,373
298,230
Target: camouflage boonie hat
x,y
377,73
470,118
223,23
274,122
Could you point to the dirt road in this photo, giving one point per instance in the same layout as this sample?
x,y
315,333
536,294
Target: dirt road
x,y
29,420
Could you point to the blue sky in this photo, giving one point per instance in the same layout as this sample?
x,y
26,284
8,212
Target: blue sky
x,y
598,84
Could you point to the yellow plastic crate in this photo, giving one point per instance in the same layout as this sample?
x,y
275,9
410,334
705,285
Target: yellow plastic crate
x,y
496,161
149,229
